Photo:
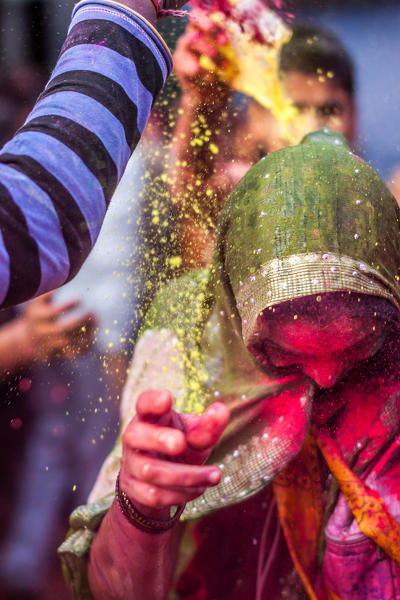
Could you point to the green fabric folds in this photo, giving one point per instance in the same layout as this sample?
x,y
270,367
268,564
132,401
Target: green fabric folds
x,y
315,205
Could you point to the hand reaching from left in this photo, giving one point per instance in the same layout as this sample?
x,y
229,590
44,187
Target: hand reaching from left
x,y
50,329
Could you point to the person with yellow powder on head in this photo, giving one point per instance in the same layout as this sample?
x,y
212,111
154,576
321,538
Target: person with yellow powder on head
x,y
317,75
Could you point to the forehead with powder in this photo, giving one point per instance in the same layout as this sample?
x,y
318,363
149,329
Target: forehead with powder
x,y
325,308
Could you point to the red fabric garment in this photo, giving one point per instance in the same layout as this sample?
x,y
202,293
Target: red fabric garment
x,y
227,552
354,567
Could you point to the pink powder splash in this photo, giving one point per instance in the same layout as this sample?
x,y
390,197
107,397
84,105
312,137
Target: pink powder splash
x,y
246,13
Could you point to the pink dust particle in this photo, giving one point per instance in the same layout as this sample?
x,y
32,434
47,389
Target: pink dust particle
x,y
247,17
16,423
59,393
25,384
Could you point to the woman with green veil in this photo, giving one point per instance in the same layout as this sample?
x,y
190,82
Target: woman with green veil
x,y
271,428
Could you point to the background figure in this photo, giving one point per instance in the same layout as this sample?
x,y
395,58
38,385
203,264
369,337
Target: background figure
x,y
41,332
318,76
65,443
40,405
30,339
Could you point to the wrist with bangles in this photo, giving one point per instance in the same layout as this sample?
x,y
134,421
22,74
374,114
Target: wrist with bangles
x,y
141,521
120,6
163,8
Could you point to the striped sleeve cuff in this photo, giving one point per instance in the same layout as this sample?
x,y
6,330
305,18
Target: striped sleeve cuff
x,y
116,11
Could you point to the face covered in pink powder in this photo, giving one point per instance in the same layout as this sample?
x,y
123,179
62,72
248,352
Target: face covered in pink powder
x,y
322,336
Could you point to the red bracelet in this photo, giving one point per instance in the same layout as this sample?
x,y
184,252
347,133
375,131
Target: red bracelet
x,y
139,520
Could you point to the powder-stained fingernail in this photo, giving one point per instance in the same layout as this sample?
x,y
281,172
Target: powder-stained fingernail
x,y
214,476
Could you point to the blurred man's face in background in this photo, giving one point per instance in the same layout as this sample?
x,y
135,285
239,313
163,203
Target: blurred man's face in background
x,y
320,101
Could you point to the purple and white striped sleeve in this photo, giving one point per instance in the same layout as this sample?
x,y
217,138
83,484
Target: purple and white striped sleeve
x,y
58,173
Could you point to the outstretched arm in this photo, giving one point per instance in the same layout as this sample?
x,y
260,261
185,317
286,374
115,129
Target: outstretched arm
x,y
58,173
161,467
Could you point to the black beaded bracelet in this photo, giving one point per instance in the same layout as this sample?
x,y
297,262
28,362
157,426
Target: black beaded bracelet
x,y
137,519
